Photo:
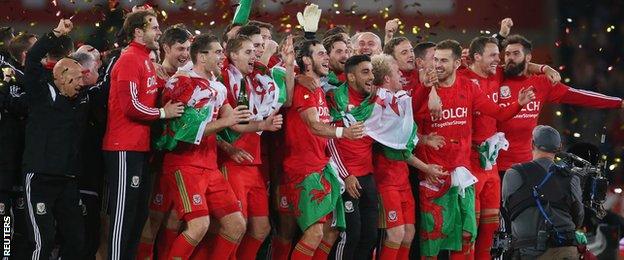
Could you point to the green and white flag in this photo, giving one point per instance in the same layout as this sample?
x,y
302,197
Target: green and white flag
x,y
488,150
387,117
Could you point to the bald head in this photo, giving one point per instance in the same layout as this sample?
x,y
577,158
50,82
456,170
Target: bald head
x,y
68,76
93,51
367,43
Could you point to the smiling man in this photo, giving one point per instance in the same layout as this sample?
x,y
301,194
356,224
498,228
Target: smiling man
x,y
401,50
176,42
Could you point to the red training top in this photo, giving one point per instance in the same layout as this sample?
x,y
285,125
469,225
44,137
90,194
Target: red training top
x,y
132,100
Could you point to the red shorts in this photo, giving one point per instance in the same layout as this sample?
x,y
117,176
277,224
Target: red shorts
x,y
248,184
161,199
197,192
397,207
488,186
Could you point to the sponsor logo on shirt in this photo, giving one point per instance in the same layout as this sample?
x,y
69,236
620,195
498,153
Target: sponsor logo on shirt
x,y
151,82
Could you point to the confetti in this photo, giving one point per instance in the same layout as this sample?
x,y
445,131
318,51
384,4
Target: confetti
x,y
212,23
610,68
198,32
569,20
164,14
415,29
335,5
617,160
97,24
469,9
558,113
427,25
612,166
577,135
617,190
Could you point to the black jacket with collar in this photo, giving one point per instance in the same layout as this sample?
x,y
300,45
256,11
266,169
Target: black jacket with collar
x,y
56,124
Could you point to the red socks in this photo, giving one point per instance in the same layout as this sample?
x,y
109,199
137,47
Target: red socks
x,y
145,251
182,247
389,250
404,251
302,252
322,251
248,248
281,249
488,225
165,240
223,247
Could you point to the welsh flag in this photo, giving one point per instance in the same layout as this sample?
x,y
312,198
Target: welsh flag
x,y
266,89
447,211
201,101
319,194
387,117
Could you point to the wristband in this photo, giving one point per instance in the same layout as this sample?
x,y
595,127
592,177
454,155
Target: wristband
x,y
542,69
339,131
162,113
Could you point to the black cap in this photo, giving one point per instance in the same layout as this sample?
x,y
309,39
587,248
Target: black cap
x,y
546,139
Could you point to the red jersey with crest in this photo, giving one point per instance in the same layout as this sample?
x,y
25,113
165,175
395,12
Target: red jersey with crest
x,y
353,157
305,152
409,79
519,129
459,103
483,126
198,92
134,89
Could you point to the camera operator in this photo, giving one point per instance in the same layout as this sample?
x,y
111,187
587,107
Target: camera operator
x,y
543,203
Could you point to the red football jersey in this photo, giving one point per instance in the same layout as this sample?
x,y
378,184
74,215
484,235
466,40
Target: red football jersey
x,y
483,126
459,103
353,157
197,92
519,129
132,101
409,79
305,152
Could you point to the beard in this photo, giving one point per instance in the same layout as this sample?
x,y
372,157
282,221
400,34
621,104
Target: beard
x,y
318,70
513,70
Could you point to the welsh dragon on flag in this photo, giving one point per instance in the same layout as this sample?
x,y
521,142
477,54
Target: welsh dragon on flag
x,y
387,117
266,89
202,101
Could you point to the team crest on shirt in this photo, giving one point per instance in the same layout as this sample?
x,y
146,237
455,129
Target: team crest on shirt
x,y
306,96
348,206
135,182
20,203
321,102
2,209
283,202
505,92
197,199
41,208
83,207
392,216
158,199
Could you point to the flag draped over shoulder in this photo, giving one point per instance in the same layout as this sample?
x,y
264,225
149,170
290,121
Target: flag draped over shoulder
x,y
265,94
387,117
201,102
